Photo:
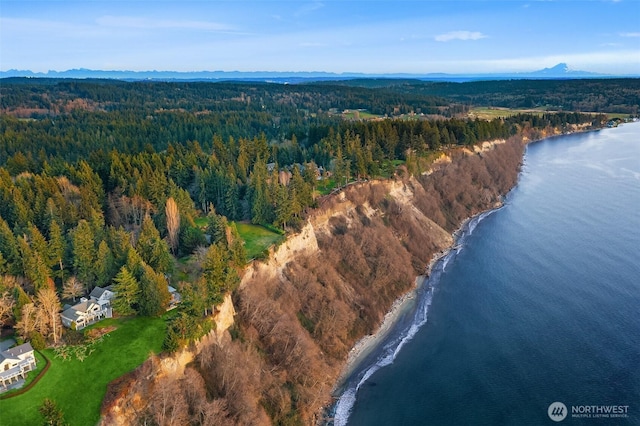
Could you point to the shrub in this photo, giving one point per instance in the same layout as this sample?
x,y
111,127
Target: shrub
x,y
74,337
52,414
37,341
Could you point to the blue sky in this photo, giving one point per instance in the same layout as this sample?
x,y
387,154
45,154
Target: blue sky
x,y
329,35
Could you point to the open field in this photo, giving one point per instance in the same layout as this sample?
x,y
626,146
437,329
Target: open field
x,y
257,238
354,114
78,387
489,113
612,115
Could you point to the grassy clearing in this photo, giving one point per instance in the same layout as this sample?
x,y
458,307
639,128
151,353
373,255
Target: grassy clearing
x,y
489,113
201,222
78,387
257,238
621,116
325,186
359,115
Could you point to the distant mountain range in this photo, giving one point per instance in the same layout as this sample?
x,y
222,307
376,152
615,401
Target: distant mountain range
x,y
560,71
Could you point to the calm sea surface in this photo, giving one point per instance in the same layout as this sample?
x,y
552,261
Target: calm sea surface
x,y
540,304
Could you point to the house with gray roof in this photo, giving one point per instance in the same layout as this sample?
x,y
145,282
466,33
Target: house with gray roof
x,y
89,311
102,296
84,313
15,363
175,298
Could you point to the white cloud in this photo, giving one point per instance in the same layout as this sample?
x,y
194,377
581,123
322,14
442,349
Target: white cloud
x,y
460,35
630,34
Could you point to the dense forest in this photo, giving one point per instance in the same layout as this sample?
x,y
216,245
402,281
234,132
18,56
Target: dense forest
x,y
121,171
113,183
588,95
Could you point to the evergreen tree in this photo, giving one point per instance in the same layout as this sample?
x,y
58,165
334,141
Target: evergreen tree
x,y
340,169
194,298
127,293
238,252
57,249
284,207
134,263
9,249
215,225
309,175
261,210
302,191
152,249
21,298
154,293
33,265
214,268
37,242
84,253
104,267
120,243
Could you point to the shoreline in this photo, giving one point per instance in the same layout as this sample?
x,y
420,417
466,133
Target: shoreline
x,y
364,349
369,353
367,344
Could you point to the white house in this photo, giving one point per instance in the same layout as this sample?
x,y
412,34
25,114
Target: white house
x,y
15,363
102,296
84,313
90,310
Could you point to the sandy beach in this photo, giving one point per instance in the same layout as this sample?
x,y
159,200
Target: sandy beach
x,y
360,354
366,345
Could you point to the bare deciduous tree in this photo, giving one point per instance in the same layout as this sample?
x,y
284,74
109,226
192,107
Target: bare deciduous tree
x,y
72,288
173,223
168,405
28,320
6,306
49,304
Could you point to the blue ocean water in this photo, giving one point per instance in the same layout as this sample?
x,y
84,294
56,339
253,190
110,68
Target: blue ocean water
x,y
540,304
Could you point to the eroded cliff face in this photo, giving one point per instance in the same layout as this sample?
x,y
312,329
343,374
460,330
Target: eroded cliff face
x,y
299,313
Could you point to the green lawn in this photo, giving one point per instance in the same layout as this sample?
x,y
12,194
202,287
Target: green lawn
x,y
361,114
79,386
489,113
257,238
325,186
612,115
201,222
